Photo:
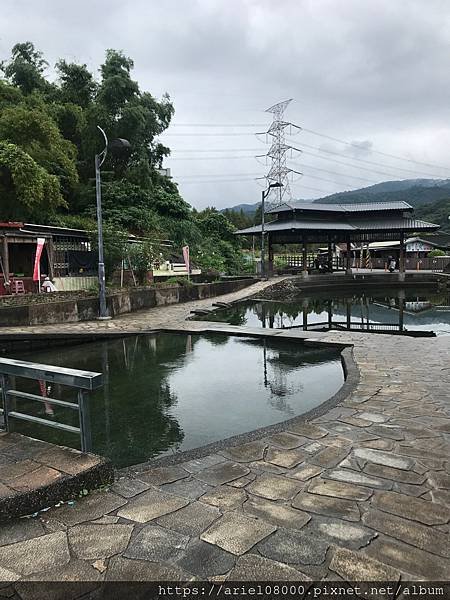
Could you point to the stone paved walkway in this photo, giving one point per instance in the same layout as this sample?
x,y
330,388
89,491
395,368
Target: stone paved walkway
x,y
144,319
362,492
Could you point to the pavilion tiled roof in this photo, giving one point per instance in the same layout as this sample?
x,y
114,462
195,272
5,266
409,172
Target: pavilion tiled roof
x,y
298,205
362,218
374,224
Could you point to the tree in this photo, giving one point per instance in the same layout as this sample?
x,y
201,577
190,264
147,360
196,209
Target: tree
x,y
142,256
49,139
77,85
31,129
214,223
26,67
27,189
114,246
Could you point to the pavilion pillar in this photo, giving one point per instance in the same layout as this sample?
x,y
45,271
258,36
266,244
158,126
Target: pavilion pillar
x,y
305,259
348,260
330,256
401,309
330,313
270,252
349,312
305,314
5,259
401,261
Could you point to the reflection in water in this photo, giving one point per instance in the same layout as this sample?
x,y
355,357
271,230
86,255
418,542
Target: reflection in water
x,y
169,392
392,310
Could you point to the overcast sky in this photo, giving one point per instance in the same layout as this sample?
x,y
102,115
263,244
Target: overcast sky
x,y
372,72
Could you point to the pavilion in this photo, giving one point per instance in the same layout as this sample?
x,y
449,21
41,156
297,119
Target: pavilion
x,y
304,223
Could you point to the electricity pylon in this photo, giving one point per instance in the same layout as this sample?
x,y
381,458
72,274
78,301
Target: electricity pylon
x,y
278,153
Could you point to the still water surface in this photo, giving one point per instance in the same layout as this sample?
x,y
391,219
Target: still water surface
x,y
169,392
413,309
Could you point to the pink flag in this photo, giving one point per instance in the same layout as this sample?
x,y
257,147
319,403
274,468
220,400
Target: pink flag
x,y
37,260
186,257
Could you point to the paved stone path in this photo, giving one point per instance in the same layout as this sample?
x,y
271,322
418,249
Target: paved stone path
x,y
362,492
144,319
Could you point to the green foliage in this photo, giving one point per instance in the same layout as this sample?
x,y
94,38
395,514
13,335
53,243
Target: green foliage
x,y
77,85
49,137
436,252
26,189
179,280
114,246
437,212
26,67
141,256
215,224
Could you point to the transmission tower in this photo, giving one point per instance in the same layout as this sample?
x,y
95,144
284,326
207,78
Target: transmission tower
x,y
278,153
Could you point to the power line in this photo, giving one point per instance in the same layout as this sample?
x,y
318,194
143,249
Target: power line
x,y
216,150
302,166
346,164
370,162
218,124
355,145
220,175
198,134
198,158
218,181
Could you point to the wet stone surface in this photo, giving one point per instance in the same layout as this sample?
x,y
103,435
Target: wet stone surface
x,y
359,493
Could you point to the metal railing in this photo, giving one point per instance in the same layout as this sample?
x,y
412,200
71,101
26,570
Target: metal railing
x,y
82,381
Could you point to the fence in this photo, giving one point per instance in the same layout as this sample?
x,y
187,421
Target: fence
x,y
82,381
296,262
436,264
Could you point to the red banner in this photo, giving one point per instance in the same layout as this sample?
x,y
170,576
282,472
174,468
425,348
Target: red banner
x,y
37,260
186,258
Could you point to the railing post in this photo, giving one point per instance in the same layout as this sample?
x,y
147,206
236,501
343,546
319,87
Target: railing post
x,y
4,383
85,422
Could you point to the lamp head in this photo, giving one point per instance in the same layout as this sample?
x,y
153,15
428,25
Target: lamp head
x,y
119,147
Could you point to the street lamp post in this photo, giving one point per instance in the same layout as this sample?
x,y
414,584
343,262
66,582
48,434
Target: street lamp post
x,y
116,145
264,195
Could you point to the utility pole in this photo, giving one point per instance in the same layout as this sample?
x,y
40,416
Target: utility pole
x,y
117,146
99,160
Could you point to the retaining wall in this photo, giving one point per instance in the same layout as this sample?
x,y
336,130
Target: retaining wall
x,y
86,309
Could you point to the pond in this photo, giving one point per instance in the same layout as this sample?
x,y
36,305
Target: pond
x,y
390,309
165,393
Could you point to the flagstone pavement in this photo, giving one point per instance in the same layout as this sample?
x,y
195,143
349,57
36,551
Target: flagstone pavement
x,y
361,492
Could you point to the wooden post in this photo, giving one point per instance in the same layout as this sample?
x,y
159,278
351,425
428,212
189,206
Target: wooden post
x,y
270,252
348,263
305,314
401,262
305,259
51,257
330,256
6,263
401,309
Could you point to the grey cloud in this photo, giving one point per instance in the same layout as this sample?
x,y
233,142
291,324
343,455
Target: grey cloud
x,y
373,71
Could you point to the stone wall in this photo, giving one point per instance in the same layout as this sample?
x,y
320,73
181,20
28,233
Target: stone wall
x,y
130,300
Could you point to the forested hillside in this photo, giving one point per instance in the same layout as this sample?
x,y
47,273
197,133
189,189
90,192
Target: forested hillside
x,y
48,139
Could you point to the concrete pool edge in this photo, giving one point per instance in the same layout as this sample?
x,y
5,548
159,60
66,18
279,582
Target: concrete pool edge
x,y
49,474
351,375
68,487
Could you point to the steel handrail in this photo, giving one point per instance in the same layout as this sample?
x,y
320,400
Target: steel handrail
x,y
83,381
